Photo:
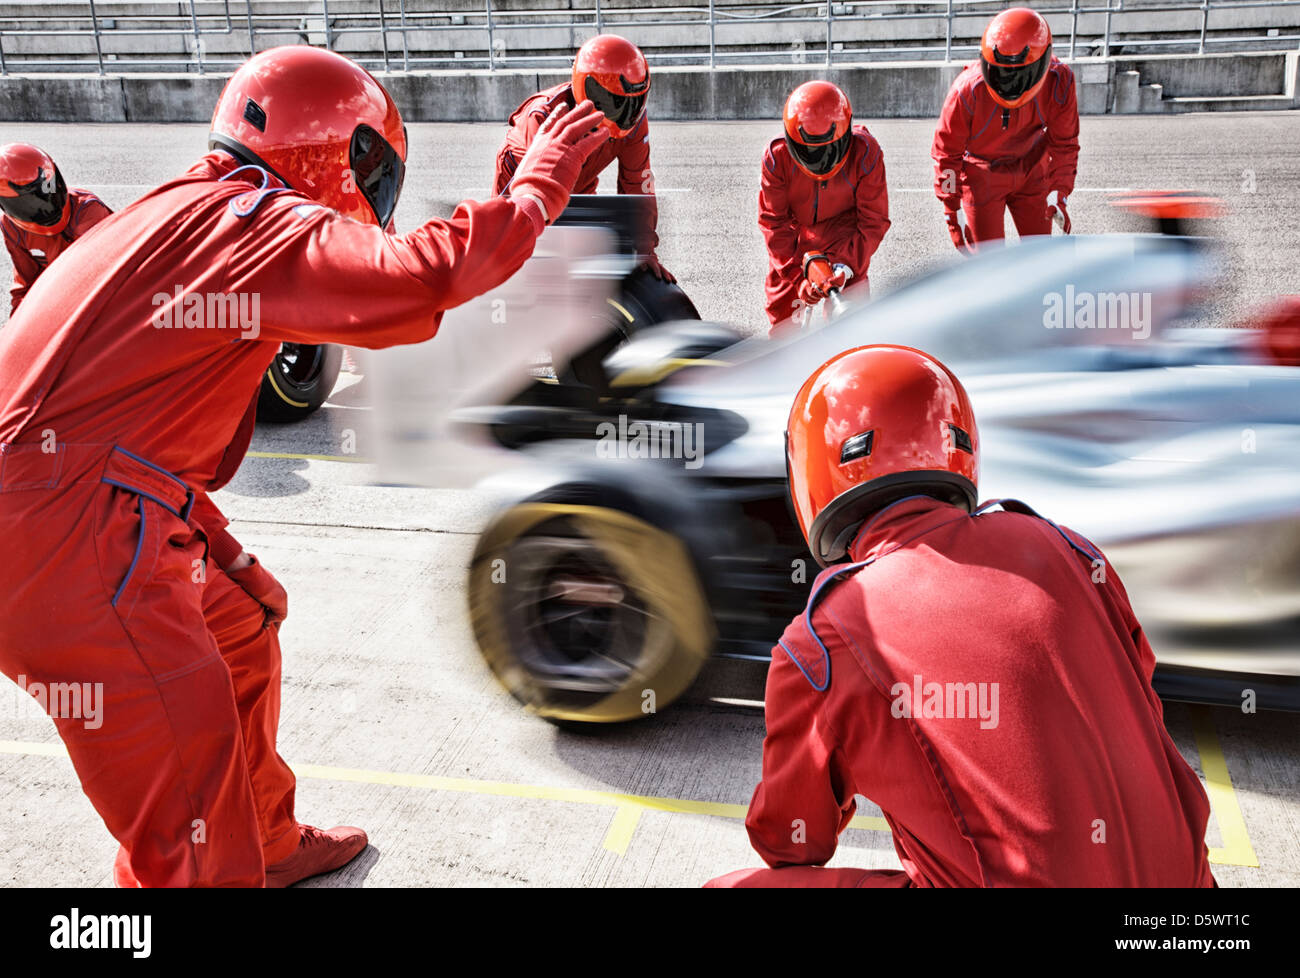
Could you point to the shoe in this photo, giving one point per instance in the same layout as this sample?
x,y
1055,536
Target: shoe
x,y
319,851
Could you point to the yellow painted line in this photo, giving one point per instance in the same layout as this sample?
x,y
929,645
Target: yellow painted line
x,y
309,458
627,813
869,823
621,827
1236,849
584,796
628,808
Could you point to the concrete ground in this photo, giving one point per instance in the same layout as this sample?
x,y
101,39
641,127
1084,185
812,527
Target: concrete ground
x,y
390,719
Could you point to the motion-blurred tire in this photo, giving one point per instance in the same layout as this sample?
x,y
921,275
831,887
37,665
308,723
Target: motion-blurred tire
x,y
298,381
587,613
644,300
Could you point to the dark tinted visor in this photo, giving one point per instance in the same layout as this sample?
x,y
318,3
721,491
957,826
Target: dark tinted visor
x,y
36,203
622,110
379,172
1012,81
820,159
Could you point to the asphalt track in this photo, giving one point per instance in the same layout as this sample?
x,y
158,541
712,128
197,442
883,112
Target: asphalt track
x,y
389,718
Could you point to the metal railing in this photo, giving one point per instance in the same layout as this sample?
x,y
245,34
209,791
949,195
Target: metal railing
x,y
394,35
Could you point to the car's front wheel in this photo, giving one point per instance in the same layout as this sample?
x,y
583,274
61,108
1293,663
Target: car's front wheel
x,y
587,612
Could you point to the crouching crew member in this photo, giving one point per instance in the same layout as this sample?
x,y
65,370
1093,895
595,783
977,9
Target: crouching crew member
x,y
1008,136
975,671
823,190
612,73
40,215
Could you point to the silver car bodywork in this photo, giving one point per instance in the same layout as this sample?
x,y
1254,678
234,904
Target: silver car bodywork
x,y
1175,449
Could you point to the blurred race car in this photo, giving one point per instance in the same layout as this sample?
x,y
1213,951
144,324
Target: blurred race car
x,y
302,376
643,523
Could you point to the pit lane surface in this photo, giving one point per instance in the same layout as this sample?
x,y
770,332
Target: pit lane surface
x,y
389,718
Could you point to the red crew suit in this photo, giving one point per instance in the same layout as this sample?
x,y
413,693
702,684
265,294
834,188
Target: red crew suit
x,y
846,217
247,634
632,152
989,159
120,405
32,253
1069,780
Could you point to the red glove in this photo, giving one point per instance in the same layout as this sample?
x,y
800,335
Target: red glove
x,y
554,159
809,294
651,264
958,230
1057,211
257,581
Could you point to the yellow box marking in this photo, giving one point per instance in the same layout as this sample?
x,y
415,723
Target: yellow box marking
x,y
1236,849
621,828
627,814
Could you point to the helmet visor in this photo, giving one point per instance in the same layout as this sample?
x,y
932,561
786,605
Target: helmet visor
x,y
1010,82
378,171
37,202
820,159
624,111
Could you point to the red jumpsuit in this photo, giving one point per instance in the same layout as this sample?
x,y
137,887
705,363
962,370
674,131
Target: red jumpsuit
x,y
990,160
114,420
32,253
632,152
846,217
1067,778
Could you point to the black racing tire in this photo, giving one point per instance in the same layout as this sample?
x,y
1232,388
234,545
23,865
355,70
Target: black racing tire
x,y
586,612
298,381
644,300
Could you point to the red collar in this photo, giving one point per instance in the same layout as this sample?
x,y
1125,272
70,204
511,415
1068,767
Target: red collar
x,y
900,522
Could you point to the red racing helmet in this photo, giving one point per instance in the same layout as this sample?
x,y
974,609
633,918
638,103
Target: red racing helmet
x,y
818,128
870,426
1015,53
319,122
612,72
32,192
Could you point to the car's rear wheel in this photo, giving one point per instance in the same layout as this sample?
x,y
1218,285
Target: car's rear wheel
x,y
644,300
587,612
298,381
